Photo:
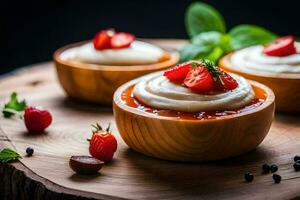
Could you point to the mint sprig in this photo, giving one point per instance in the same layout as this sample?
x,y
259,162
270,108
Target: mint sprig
x,y
9,155
13,106
210,66
209,40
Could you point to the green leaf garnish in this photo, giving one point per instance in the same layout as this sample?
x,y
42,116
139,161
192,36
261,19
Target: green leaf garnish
x,y
207,29
193,64
201,17
8,155
14,105
247,35
193,52
212,68
209,45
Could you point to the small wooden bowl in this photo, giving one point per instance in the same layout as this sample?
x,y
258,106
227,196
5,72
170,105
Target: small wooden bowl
x,y
194,140
97,83
286,87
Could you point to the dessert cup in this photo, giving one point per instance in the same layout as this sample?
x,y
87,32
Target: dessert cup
x,y
97,83
177,139
286,86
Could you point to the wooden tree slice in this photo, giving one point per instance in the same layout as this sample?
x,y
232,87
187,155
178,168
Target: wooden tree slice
x,y
46,175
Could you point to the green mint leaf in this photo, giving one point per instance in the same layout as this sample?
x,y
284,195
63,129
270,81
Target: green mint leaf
x,y
14,104
8,155
201,17
193,64
209,45
247,35
215,55
213,39
212,68
193,52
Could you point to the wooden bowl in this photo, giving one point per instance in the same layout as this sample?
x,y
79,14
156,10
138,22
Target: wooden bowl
x,y
194,140
97,83
286,87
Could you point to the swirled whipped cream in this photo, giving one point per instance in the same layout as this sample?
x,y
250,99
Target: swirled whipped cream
x,y
157,91
252,59
138,53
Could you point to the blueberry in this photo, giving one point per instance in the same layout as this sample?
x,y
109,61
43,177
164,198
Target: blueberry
x,y
297,166
273,168
249,177
276,178
266,168
29,151
297,158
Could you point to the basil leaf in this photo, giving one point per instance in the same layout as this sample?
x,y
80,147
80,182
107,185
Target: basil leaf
x,y
193,51
13,104
209,45
247,35
215,54
201,17
8,155
213,39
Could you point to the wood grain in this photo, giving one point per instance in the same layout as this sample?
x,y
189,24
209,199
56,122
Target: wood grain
x,y
285,86
97,83
47,175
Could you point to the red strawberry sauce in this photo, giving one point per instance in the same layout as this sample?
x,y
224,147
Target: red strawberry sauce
x,y
129,100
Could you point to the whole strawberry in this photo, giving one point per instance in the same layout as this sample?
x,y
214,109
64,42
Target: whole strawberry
x,y
103,144
36,120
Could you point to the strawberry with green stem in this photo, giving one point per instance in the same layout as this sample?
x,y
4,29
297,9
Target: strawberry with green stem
x,y
103,144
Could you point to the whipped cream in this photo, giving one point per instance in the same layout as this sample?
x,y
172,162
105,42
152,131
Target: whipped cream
x,y
157,91
252,59
138,53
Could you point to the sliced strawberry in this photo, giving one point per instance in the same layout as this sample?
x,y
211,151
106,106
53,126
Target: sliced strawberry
x,y
199,79
283,46
227,81
178,73
122,40
102,40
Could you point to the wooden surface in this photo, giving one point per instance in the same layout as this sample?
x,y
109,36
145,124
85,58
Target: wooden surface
x,y
131,175
194,140
285,86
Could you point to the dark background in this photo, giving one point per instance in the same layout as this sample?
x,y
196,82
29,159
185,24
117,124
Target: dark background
x,y
32,30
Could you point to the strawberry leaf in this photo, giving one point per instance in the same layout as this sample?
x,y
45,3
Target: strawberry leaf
x,y
13,105
8,155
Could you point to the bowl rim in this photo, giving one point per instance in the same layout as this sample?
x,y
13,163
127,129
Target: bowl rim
x,y
225,63
174,59
117,101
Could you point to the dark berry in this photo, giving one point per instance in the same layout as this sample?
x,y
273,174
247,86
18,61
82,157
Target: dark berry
x,y
273,168
297,166
296,158
29,151
266,168
249,177
276,178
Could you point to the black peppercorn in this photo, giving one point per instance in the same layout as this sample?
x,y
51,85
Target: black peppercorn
x,y
273,168
266,168
29,151
297,158
297,166
276,178
249,177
